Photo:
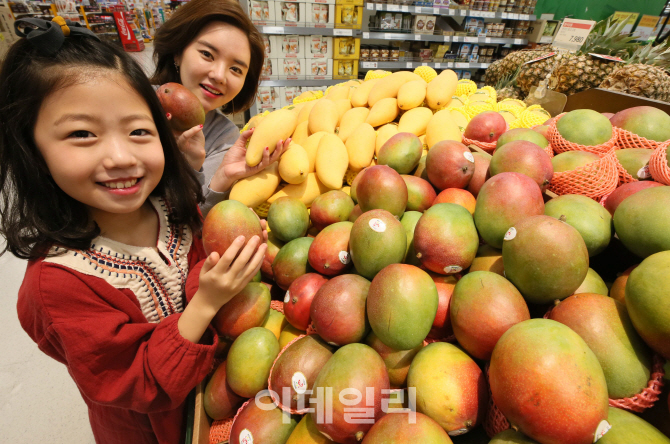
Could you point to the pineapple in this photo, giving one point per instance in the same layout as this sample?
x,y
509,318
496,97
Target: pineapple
x,y
644,74
507,87
508,65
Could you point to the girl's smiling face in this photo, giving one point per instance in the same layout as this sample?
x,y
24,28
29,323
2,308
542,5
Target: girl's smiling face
x,y
101,145
215,64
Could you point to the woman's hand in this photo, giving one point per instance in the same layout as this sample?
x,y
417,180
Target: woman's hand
x,y
234,164
192,145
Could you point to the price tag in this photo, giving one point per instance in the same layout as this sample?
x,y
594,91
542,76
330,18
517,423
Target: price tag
x,y
461,65
438,66
378,6
370,6
451,12
524,17
450,65
404,8
343,32
514,16
436,11
393,8
408,65
366,35
424,64
417,37
273,30
573,33
546,39
470,39
519,41
390,36
463,12
446,38
369,65
487,40
503,15
489,14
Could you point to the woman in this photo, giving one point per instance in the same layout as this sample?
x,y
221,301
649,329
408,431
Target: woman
x,y
212,48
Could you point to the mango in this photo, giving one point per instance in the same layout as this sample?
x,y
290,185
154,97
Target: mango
x,y
388,87
409,221
401,306
456,399
300,134
298,299
294,164
323,117
274,244
440,90
249,361
384,133
571,160
338,92
332,161
420,193
307,191
343,105
640,221
613,200
350,121
354,370
481,174
544,258
647,301
635,161
415,121
628,428
401,152
504,200
458,196
441,328
257,188
361,146
593,222
483,307
540,406
359,98
262,424
384,111
331,207
449,164
311,146
397,361
247,309
511,436
288,218
604,325
645,121
275,322
291,261
220,401
488,259
225,222
185,107
411,94
381,187
307,433
329,253
442,127
398,428
526,134
377,239
523,157
486,127
445,239
288,334
593,283
585,127
276,126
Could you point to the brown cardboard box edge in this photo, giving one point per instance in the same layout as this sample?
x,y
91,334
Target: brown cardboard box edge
x,y
201,423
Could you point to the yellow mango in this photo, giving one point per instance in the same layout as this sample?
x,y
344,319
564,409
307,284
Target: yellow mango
x,y
303,115
338,92
296,107
411,94
311,145
256,189
276,126
442,127
306,192
409,76
361,146
253,122
382,112
385,133
323,117
350,121
275,322
415,121
359,97
301,133
386,88
459,119
332,161
423,142
343,105
294,164
441,89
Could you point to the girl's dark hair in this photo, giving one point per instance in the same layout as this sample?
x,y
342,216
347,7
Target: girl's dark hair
x,y
34,212
184,26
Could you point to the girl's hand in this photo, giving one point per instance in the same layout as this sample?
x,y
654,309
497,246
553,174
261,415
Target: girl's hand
x,y
192,145
234,164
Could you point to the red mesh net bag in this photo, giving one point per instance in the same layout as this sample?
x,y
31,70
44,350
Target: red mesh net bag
x,y
658,164
626,139
594,180
450,338
647,397
560,145
273,394
549,150
494,421
311,330
486,146
277,306
219,431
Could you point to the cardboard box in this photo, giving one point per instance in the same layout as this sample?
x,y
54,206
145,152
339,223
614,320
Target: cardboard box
x,y
262,12
320,15
348,16
350,2
290,14
318,47
291,46
292,68
346,48
542,28
345,69
319,69
270,70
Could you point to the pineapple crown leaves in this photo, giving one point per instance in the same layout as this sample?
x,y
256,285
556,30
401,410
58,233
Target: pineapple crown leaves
x,y
651,55
606,38
508,80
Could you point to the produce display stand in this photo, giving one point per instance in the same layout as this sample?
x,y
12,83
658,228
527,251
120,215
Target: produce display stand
x,y
198,424
606,101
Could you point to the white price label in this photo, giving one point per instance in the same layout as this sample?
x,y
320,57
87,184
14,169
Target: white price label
x,y
461,65
378,6
514,16
546,39
436,11
394,8
366,35
503,15
390,36
454,39
572,34
369,65
470,39
489,14
417,37
370,6
450,65
408,65
273,30
343,32
487,40
404,8
438,65
463,12
518,41
524,17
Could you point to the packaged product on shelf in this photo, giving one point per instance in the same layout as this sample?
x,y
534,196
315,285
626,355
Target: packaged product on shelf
x,y
426,54
472,25
320,69
365,53
374,54
466,75
345,69
350,2
287,94
319,47
347,48
269,69
293,46
320,15
290,13
464,51
419,24
384,54
348,16
441,3
459,73
262,11
268,97
292,68
395,54
430,24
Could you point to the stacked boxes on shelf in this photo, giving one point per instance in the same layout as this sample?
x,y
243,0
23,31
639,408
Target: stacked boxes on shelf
x,y
347,50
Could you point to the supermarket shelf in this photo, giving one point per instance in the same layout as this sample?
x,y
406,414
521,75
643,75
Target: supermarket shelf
x,y
440,38
308,31
364,66
447,11
300,82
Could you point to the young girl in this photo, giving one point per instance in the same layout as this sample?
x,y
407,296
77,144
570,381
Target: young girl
x,y
96,194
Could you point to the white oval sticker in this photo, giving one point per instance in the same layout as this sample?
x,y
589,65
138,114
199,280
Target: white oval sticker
x,y
457,432
246,437
511,234
468,155
452,269
299,383
643,173
287,297
377,225
344,257
603,428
